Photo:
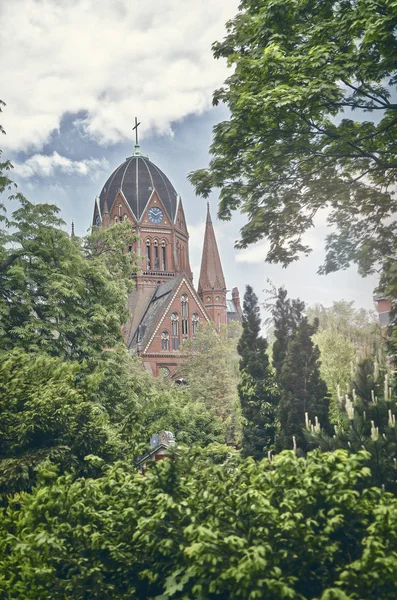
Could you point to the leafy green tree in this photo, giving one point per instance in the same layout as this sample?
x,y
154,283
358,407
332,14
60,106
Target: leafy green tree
x,y
312,125
290,528
359,326
337,357
344,335
56,296
303,392
46,414
257,389
210,367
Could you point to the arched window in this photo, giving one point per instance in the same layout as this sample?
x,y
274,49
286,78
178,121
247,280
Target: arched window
x,y
156,255
148,262
120,216
185,314
125,217
175,330
163,257
219,322
184,301
165,340
195,323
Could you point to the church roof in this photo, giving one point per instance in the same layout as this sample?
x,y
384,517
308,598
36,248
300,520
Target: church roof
x,y
154,312
211,273
137,177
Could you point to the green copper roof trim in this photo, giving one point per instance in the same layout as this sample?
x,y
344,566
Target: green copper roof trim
x,y
137,152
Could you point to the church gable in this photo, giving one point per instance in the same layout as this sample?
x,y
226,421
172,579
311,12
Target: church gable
x,y
121,210
151,215
179,320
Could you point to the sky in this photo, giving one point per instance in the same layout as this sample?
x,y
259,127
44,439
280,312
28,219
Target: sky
x,y
75,75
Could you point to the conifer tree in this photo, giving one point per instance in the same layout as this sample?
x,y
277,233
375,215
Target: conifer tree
x,y
368,411
257,390
287,315
303,392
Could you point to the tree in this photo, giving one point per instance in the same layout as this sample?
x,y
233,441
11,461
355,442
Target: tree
x,y
290,528
359,326
313,125
287,314
49,412
257,389
344,335
55,295
210,367
303,392
367,419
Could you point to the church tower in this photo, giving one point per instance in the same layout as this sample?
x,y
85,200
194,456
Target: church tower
x,y
164,307
212,286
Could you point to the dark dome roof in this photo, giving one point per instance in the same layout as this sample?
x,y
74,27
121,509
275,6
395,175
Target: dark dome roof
x,y
137,177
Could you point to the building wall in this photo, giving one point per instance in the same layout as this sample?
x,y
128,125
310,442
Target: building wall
x,y
155,355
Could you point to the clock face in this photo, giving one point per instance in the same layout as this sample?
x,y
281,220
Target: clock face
x,y
155,214
98,220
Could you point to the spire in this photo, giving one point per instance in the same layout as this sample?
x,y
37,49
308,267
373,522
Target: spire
x,y
211,273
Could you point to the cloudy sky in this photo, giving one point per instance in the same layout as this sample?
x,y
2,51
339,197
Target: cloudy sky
x,y
75,73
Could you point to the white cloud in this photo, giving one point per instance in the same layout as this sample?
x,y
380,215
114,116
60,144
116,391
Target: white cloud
x,y
42,165
111,59
254,254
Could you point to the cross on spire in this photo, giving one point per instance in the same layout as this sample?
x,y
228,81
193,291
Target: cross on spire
x,y
135,128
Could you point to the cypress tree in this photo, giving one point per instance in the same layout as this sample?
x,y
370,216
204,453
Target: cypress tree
x,y
257,389
287,315
302,389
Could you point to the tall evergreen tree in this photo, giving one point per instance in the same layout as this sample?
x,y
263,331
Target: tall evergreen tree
x,y
287,314
303,390
257,390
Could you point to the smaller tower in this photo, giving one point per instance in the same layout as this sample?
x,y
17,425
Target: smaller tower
x,y
212,286
105,215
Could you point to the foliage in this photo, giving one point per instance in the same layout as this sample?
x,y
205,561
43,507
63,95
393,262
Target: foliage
x,y
47,414
287,314
344,335
312,125
337,356
191,421
257,389
210,367
303,393
291,528
55,296
367,419
359,326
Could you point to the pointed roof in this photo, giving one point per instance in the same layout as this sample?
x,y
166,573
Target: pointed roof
x,y
211,273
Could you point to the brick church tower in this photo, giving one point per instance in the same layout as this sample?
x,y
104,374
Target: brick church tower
x,y
164,307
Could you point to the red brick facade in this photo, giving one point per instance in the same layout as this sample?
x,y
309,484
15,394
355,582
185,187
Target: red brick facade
x,y
164,307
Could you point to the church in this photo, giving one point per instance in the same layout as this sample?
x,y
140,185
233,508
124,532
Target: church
x,y
164,307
